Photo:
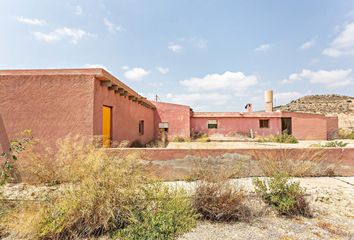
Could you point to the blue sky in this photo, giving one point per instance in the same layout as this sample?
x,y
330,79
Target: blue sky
x,y
212,55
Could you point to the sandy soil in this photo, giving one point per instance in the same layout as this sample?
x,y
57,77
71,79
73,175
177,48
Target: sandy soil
x,y
332,200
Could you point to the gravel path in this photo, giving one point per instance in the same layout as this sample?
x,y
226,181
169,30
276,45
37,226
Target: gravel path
x,y
332,200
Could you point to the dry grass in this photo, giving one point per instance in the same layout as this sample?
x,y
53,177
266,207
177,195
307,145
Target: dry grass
x,y
215,197
200,137
346,133
311,162
73,161
220,201
333,229
95,198
98,194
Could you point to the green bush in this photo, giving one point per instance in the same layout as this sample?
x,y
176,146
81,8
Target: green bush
x,y
178,139
339,144
284,138
161,214
346,133
286,197
200,137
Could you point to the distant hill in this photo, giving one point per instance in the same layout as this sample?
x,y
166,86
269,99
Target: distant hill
x,y
325,104
333,104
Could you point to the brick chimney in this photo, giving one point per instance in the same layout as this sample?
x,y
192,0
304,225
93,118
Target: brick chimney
x,y
248,107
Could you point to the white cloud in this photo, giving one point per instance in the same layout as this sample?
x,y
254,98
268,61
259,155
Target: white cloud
x,y
112,28
262,48
163,70
201,43
331,79
214,99
78,10
136,74
95,66
74,35
125,67
343,44
174,47
309,44
233,81
31,21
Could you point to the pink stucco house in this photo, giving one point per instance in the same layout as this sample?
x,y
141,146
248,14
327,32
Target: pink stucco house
x,y
56,102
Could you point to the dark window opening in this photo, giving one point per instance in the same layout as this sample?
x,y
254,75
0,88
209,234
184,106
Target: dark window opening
x,y
163,126
212,124
141,127
264,123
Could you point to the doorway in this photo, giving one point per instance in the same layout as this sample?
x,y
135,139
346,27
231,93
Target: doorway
x,y
286,125
106,126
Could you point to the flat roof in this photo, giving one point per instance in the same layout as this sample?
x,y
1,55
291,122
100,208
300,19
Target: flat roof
x,y
251,114
98,73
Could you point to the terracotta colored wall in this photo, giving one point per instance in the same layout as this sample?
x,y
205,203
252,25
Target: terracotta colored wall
x,y
173,164
332,127
308,126
177,116
125,116
52,106
4,139
228,126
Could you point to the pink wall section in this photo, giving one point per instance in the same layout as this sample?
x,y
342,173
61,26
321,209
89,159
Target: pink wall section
x,y
308,126
232,125
332,127
177,116
52,106
125,116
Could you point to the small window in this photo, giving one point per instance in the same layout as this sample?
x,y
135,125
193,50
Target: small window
x,y
212,124
163,126
264,123
141,127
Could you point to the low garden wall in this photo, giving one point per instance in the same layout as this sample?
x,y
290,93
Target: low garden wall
x,y
172,164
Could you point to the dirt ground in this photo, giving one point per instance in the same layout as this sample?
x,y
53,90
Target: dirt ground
x,y
332,200
233,144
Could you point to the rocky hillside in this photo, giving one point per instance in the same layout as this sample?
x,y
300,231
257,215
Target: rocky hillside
x,y
342,106
326,104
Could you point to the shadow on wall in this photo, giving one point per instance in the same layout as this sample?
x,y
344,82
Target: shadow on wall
x,y
4,140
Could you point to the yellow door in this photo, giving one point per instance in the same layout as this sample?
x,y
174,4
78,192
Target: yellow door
x,y
106,126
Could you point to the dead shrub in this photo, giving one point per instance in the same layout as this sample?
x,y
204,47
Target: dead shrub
x,y
220,201
215,197
310,162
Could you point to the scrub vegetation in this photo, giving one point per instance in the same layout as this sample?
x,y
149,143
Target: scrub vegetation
x,y
200,137
346,133
335,144
309,163
97,194
286,197
280,138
